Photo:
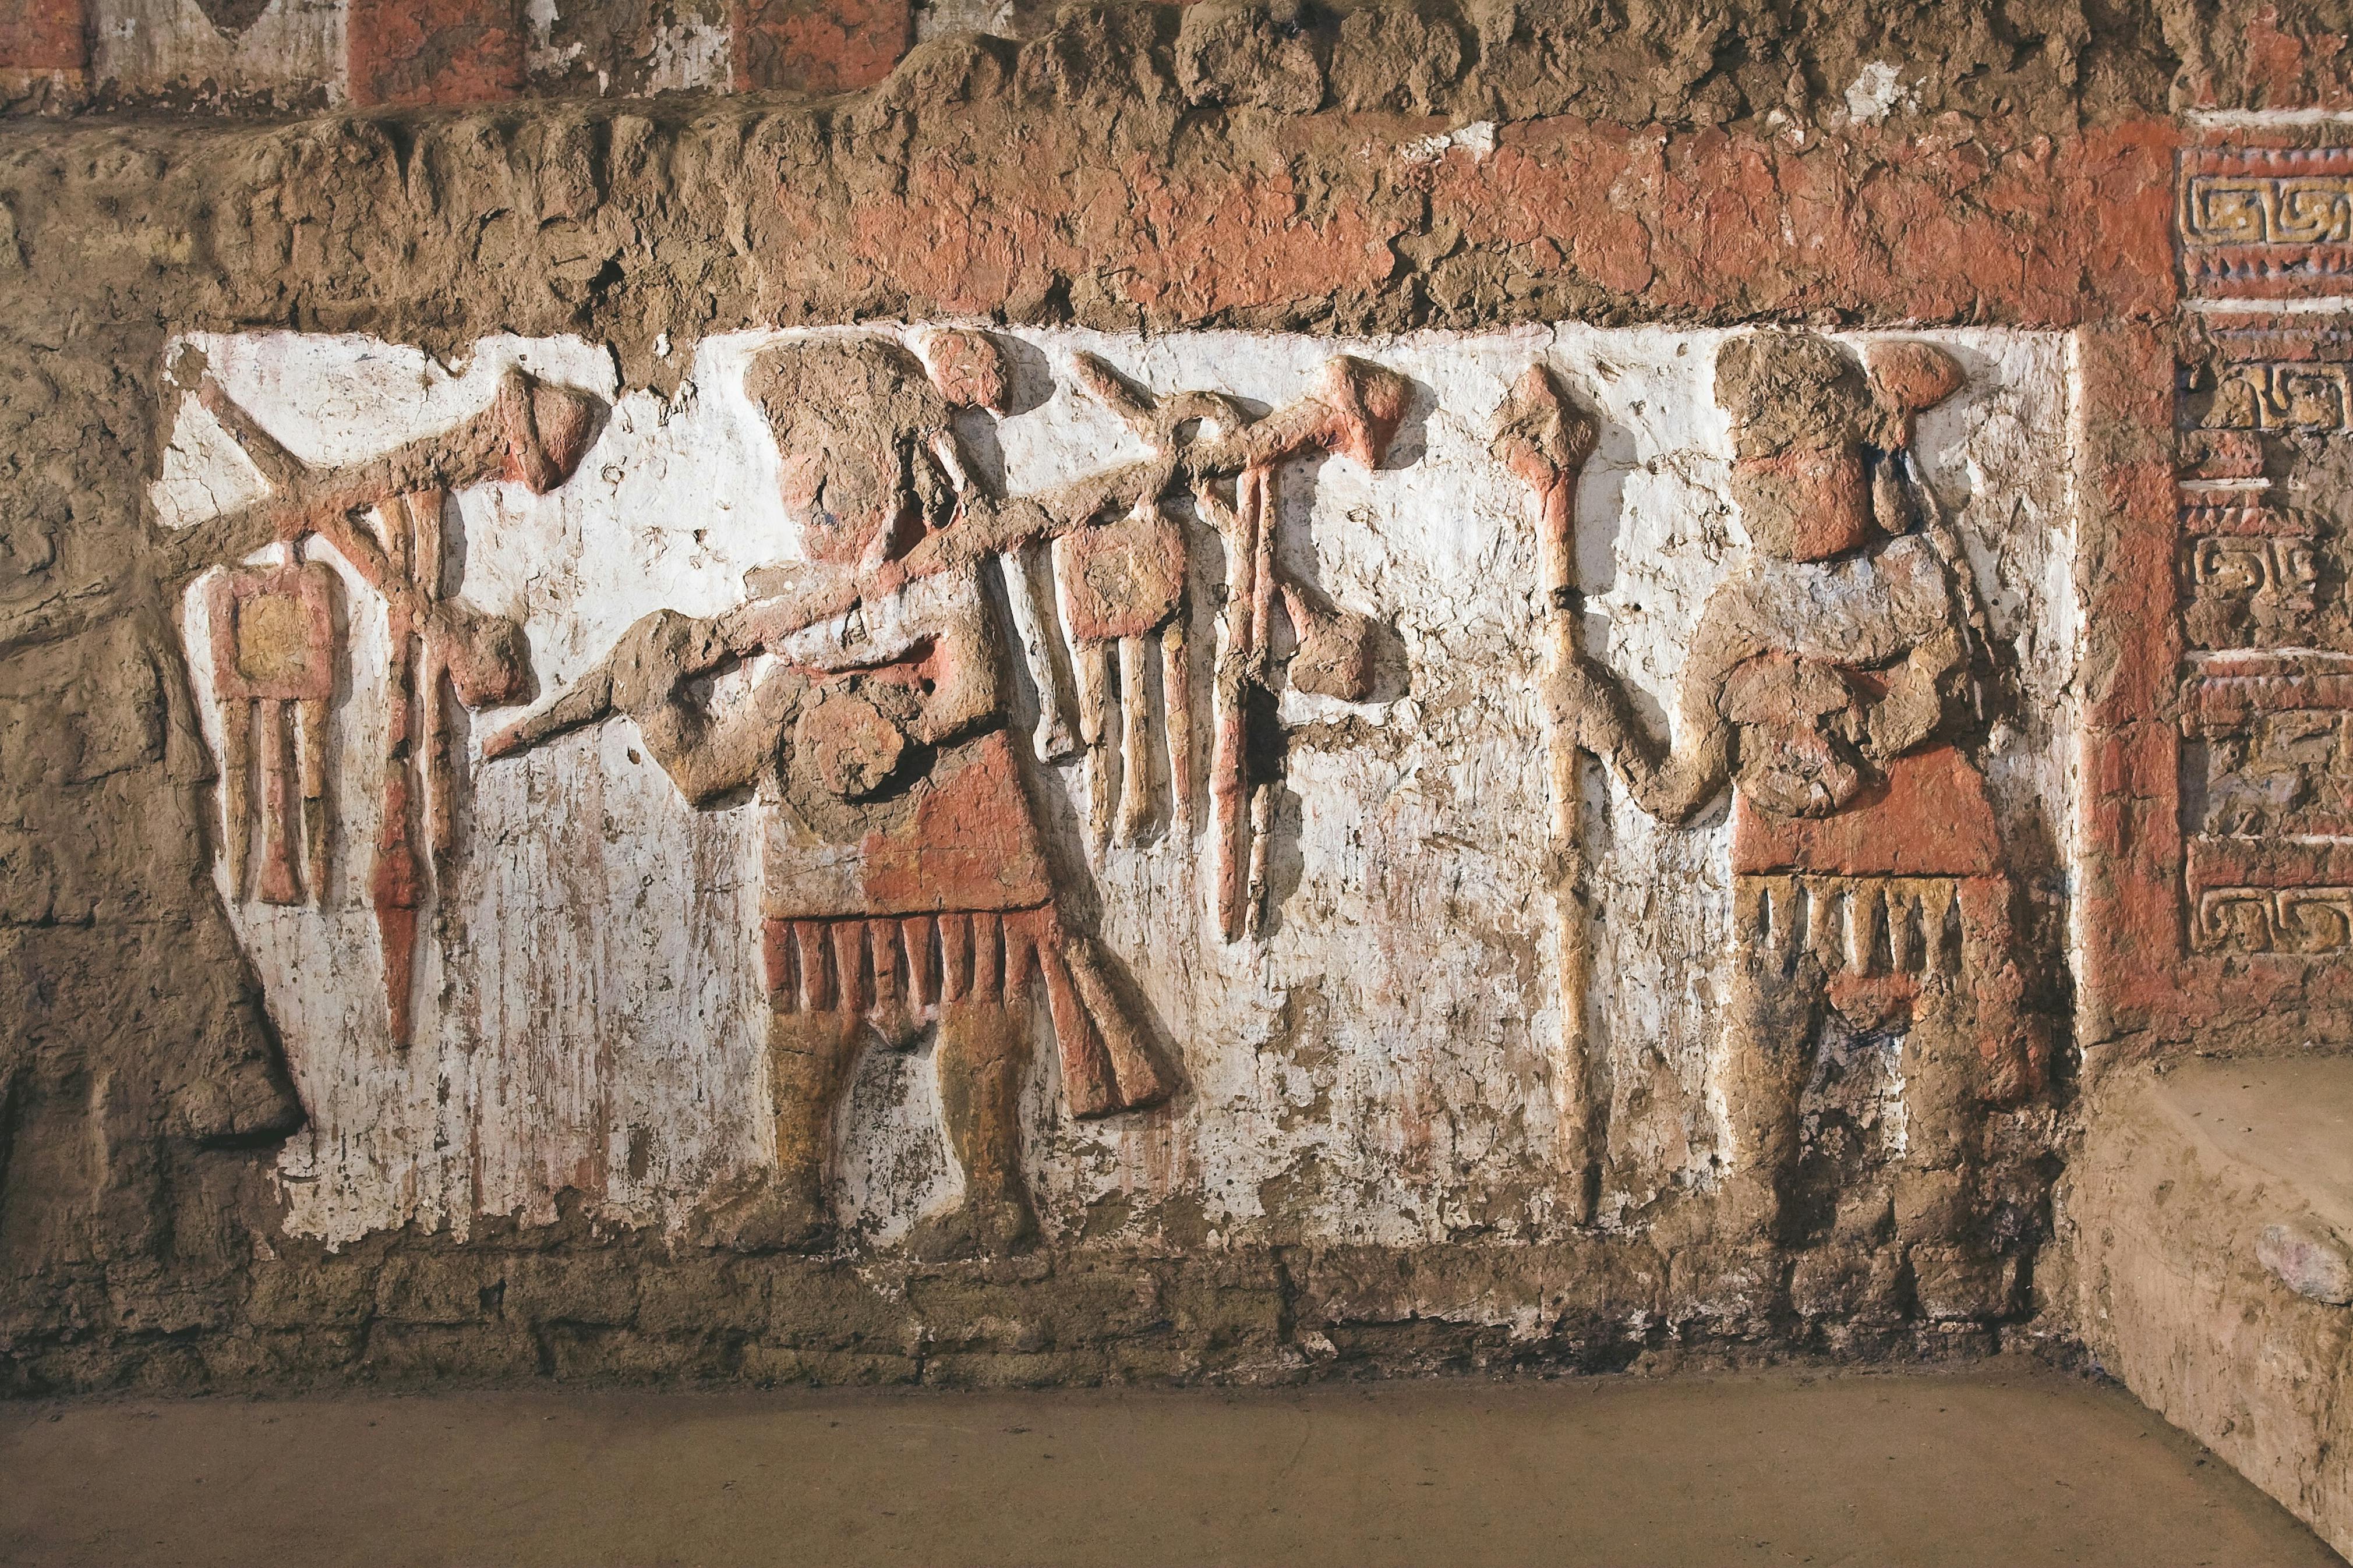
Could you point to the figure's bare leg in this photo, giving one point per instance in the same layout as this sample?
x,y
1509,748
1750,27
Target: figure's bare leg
x,y
1775,1017
1975,1042
2012,1043
1940,1095
810,1055
984,1054
809,1059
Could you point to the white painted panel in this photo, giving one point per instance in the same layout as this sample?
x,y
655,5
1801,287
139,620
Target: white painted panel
x,y
1375,1068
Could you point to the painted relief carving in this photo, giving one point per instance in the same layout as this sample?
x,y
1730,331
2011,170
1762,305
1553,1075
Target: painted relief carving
x,y
906,881
2271,749
2257,374
1545,441
1354,411
274,644
274,658
2253,576
2267,221
2306,920
2282,395
2267,801
1835,681
2266,692
1013,716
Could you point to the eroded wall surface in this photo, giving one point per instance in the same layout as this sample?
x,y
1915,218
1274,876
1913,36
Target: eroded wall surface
x,y
1211,694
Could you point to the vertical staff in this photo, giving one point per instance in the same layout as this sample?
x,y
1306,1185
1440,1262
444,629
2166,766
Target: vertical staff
x,y
1248,528
413,724
1546,440
534,434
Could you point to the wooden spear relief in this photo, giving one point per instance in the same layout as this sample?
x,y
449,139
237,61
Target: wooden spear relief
x,y
1545,441
1121,568
411,525
1247,528
273,633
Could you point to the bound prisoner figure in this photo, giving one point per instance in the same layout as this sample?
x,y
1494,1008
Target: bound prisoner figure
x,y
1833,681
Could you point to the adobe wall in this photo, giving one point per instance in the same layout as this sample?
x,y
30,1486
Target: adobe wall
x,y
1286,744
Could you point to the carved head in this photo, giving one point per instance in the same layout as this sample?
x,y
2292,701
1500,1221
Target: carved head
x,y
1813,432
856,421
967,367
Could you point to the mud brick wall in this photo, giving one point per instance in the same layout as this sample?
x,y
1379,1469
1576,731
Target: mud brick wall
x,y
785,692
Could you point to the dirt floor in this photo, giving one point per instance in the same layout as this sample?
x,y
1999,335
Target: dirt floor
x,y
2011,1467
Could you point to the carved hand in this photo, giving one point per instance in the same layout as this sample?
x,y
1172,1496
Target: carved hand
x,y
1914,703
652,659
1585,701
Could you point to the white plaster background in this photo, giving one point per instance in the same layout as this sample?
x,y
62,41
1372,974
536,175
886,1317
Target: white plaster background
x,y
1377,1069
294,48
156,46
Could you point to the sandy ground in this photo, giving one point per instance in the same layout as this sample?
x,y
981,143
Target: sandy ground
x,y
2002,1466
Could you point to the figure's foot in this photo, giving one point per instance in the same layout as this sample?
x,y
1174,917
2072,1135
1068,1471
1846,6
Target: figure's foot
x,y
976,1227
767,1215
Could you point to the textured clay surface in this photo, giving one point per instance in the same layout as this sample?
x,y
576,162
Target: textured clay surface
x,y
1500,984
2175,1212
1601,1473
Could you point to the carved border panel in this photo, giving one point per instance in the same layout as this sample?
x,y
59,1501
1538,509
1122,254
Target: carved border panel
x,y
2273,221
2249,788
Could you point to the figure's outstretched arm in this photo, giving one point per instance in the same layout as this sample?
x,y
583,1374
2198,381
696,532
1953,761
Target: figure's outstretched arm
x,y
1672,784
1675,782
706,755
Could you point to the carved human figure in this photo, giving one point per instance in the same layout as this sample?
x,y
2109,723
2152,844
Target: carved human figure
x,y
1828,682
906,882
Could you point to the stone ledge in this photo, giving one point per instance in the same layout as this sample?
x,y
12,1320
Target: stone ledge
x,y
420,1313
2165,1211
